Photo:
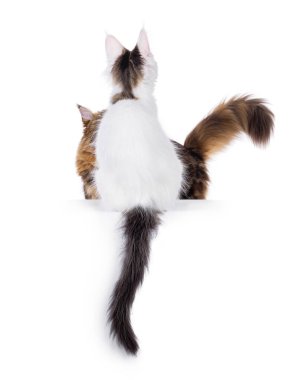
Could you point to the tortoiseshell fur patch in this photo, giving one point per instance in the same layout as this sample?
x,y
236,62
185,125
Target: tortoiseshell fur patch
x,y
196,174
86,160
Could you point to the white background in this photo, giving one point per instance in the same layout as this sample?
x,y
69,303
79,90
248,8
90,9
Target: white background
x,y
224,295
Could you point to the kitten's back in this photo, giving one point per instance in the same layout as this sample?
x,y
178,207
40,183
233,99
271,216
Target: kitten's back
x,y
137,162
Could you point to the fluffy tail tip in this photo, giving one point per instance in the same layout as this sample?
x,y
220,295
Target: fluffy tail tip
x,y
123,332
260,121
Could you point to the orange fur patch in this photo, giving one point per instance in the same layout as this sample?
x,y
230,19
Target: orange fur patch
x,y
85,159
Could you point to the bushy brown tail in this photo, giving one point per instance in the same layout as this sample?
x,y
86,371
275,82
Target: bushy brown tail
x,y
239,114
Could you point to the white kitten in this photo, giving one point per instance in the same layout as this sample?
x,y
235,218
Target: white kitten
x,y
137,163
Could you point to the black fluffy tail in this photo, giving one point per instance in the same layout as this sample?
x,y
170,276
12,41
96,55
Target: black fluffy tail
x,y
139,225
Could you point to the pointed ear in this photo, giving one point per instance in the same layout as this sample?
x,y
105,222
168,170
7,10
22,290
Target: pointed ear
x,y
86,114
143,43
113,48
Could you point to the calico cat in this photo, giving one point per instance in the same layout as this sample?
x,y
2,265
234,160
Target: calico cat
x,y
126,158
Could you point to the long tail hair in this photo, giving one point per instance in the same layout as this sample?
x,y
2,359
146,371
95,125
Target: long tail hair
x,y
139,225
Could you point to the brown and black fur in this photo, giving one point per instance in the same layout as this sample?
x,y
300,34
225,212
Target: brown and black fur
x,y
227,120
195,175
217,130
127,71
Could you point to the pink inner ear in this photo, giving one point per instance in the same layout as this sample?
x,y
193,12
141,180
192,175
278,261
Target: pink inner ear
x,y
86,114
143,43
113,48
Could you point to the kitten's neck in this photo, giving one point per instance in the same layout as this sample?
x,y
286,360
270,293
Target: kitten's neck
x,y
142,94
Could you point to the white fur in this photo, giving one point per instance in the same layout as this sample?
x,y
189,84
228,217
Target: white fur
x,y
137,163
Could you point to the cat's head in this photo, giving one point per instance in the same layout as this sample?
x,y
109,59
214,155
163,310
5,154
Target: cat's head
x,y
132,72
